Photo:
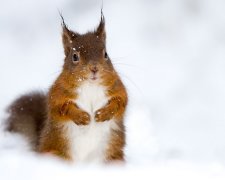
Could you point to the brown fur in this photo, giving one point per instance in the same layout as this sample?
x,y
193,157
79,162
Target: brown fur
x,y
59,105
27,115
90,48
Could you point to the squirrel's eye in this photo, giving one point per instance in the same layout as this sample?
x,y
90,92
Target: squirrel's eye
x,y
75,58
106,56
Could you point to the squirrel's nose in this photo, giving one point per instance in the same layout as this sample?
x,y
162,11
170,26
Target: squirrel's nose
x,y
94,69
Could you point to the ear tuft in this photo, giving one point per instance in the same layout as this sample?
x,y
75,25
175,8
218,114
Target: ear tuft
x,y
101,27
67,36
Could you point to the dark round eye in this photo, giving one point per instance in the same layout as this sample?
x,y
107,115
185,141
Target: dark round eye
x,y
75,58
106,56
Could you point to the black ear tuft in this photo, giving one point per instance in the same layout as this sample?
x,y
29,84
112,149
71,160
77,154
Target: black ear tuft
x,y
62,20
102,17
66,30
101,27
67,36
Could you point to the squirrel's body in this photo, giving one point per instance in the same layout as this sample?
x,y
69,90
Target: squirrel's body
x,y
86,104
94,142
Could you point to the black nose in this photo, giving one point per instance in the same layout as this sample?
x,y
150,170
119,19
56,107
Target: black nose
x,y
94,69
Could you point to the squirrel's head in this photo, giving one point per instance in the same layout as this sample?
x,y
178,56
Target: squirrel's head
x,y
85,54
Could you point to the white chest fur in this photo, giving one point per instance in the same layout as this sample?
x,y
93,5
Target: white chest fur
x,y
88,143
91,96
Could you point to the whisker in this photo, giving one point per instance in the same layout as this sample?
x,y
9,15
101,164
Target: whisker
x,y
129,65
122,57
132,82
121,63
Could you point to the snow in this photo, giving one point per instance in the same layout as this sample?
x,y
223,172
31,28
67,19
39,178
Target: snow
x,y
170,54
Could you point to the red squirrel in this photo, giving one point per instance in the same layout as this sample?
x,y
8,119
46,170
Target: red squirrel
x,y
85,106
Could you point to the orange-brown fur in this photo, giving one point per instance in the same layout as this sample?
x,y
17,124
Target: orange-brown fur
x,y
60,106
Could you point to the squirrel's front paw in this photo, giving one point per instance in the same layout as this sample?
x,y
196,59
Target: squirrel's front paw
x,y
103,115
82,118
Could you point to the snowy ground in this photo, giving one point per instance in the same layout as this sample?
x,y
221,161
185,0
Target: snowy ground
x,y
171,56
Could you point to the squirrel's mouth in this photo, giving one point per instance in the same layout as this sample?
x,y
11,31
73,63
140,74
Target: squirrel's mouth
x,y
94,76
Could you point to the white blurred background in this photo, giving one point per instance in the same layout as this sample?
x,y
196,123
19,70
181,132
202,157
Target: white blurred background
x,y
170,54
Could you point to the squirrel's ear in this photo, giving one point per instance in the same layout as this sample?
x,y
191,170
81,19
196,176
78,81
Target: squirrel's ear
x,y
67,37
100,31
67,40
